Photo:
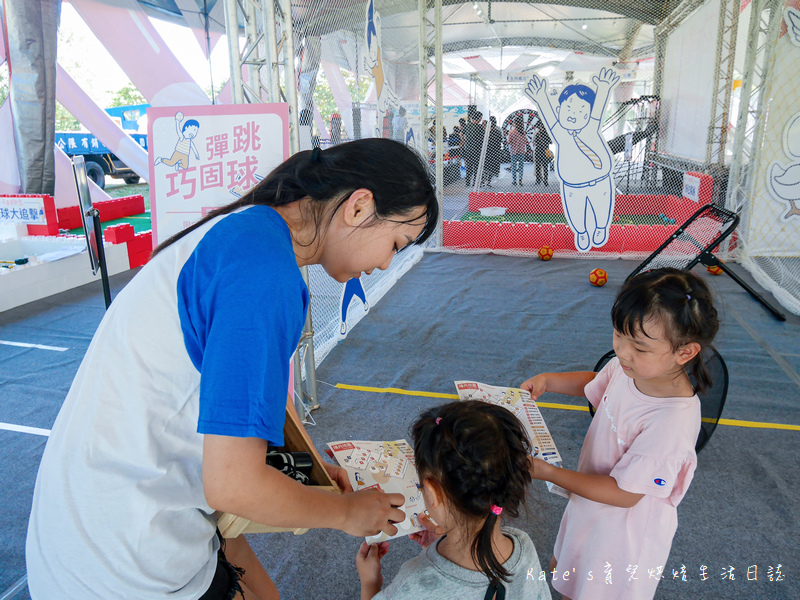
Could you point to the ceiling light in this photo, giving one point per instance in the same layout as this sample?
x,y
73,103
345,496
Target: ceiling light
x,y
479,11
475,5
584,26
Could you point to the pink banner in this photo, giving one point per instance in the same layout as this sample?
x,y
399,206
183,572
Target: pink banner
x,y
522,61
452,94
480,64
96,120
130,38
321,126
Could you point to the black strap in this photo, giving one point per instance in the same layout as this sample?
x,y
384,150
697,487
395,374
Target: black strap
x,y
496,591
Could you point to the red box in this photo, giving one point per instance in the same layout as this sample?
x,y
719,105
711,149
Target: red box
x,y
69,217
117,234
563,238
140,248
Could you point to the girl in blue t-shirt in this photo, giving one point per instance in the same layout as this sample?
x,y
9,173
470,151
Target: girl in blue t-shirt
x,y
185,382
473,463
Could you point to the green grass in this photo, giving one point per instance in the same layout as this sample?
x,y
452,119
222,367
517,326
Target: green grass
x,y
140,222
551,218
119,190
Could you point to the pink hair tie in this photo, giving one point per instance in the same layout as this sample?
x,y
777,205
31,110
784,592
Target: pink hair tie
x,y
438,420
496,509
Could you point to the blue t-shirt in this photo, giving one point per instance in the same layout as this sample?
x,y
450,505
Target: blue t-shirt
x,y
242,303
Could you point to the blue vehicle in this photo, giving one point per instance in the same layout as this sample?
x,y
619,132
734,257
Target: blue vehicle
x,y
129,116
100,161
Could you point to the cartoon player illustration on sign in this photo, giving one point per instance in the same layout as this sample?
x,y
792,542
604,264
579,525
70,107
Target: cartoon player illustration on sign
x,y
583,159
792,19
184,145
373,61
783,182
353,287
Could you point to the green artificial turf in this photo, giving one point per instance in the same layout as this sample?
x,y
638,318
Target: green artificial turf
x,y
140,222
551,218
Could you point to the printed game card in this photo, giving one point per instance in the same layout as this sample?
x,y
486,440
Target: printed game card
x,y
519,402
387,466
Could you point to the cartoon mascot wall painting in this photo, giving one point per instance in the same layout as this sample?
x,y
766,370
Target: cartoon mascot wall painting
x,y
583,159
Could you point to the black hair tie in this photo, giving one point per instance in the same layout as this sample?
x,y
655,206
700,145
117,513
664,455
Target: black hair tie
x,y
315,157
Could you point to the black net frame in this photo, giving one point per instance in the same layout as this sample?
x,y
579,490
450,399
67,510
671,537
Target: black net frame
x,y
692,244
687,246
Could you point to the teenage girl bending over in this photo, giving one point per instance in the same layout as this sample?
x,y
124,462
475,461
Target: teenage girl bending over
x,y
638,458
184,386
473,463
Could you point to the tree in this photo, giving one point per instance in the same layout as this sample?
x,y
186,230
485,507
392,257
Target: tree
x,y
217,89
3,83
323,97
65,121
127,96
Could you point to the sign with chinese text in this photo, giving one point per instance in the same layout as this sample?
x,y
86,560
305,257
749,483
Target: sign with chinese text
x,y
691,187
203,157
86,143
22,209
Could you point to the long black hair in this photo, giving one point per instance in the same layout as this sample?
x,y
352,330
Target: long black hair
x,y
683,303
395,174
479,454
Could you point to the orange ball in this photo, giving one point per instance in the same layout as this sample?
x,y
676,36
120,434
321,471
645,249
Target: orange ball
x,y
715,270
598,277
545,253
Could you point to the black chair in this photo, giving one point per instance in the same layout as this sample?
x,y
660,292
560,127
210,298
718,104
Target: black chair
x,y
712,401
694,242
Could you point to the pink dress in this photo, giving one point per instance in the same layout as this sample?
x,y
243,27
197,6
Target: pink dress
x,y
647,445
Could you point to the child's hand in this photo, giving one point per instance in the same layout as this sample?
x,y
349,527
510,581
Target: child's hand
x,y
368,563
540,469
429,535
536,385
370,511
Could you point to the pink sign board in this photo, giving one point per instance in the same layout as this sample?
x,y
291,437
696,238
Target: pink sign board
x,y
203,157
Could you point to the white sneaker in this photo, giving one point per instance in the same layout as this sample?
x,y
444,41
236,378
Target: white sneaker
x,y
582,242
600,236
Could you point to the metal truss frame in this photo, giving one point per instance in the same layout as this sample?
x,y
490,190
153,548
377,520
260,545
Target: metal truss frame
x,y
723,82
765,19
430,44
265,53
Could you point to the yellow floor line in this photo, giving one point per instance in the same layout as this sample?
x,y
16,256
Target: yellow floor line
x,y
729,422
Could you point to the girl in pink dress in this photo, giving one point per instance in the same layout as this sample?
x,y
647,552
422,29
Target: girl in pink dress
x,y
638,457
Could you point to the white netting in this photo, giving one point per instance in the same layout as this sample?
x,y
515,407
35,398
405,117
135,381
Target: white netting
x,y
668,155
496,202
326,298
768,187
357,71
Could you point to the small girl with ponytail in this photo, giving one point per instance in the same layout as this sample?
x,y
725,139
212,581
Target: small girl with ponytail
x,y
473,464
638,457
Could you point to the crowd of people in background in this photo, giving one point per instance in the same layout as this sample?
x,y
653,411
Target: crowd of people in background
x,y
465,143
